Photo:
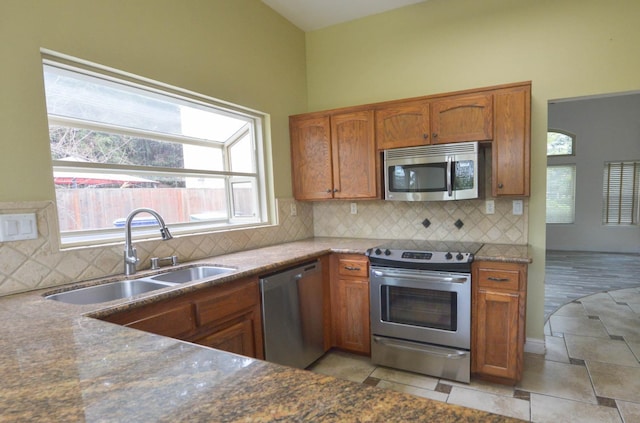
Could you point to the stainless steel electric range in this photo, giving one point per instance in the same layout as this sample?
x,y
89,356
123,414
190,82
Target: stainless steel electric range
x,y
421,307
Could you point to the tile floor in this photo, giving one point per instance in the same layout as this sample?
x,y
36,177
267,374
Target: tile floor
x,y
590,372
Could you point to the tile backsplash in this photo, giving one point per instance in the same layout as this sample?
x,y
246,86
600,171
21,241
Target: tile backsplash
x,y
39,263
404,220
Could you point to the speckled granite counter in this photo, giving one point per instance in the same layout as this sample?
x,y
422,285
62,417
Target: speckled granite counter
x,y
505,253
59,365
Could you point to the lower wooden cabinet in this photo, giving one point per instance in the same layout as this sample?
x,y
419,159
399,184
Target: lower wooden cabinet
x,y
226,317
498,320
350,303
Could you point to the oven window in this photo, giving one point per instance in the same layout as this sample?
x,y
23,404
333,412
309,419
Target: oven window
x,y
420,307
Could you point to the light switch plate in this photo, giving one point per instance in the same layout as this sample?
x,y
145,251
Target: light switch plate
x,y
517,207
294,209
489,207
16,227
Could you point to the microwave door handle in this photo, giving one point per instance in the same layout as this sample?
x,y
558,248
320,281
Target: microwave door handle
x,y
449,176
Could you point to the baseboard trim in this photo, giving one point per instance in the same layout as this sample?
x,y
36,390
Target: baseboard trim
x,y
535,346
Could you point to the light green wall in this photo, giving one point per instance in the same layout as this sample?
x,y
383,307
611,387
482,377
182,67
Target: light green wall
x,y
234,50
567,48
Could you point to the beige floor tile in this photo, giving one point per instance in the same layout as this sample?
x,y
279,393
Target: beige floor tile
x,y
629,295
405,378
413,390
498,404
601,297
608,309
598,349
556,349
571,309
545,409
577,326
344,366
562,380
630,411
617,382
623,325
484,386
635,347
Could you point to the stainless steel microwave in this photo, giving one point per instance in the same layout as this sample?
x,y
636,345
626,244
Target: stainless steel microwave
x,y
433,172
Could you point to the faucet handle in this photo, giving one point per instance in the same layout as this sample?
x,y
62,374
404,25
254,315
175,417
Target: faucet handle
x,y
155,261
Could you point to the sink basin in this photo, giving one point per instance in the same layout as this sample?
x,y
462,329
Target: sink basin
x,y
107,292
190,274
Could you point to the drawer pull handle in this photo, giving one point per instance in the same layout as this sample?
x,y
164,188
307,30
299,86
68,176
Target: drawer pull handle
x,y
491,278
351,268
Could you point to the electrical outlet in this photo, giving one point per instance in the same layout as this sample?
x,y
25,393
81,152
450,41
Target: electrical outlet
x,y
489,207
354,208
517,207
294,209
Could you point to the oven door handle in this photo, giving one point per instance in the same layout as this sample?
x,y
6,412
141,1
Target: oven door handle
x,y
416,277
440,352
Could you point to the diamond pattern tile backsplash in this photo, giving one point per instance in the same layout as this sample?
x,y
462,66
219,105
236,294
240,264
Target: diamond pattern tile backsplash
x,y
39,263
404,220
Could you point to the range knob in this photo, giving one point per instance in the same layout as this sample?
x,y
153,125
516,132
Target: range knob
x,y
459,256
387,252
448,256
378,251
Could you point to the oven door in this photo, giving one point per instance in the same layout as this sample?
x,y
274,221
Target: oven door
x,y
421,306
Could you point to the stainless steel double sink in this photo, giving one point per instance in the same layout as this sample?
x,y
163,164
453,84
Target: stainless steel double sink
x,y
129,288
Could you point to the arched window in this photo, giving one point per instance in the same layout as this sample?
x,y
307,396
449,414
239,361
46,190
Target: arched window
x,y
560,143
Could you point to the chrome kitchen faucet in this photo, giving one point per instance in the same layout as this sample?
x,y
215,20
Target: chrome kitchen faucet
x,y
130,253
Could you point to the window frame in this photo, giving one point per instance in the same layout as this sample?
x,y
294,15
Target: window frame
x,y
256,127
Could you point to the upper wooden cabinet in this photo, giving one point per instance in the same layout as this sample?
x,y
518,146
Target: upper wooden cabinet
x,y
511,142
462,118
311,157
333,152
403,125
334,156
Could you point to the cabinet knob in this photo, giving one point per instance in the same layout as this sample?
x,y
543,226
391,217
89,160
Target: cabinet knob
x,y
500,186
434,135
329,191
336,190
425,136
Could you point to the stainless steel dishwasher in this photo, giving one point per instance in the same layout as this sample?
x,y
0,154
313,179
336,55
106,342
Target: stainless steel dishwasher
x,y
292,315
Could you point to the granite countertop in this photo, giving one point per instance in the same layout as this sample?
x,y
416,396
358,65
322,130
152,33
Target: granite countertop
x,y
58,364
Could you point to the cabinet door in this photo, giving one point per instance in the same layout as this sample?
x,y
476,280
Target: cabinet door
x,y
351,315
402,125
464,118
354,155
311,157
511,143
175,320
497,333
238,338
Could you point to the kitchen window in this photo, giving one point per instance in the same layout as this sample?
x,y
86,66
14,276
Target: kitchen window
x,y
119,142
621,193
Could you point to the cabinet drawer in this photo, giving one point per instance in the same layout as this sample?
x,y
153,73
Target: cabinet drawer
x,y
227,303
172,322
353,267
499,278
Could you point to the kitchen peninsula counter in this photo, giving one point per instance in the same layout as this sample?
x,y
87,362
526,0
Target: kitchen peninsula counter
x,y
59,364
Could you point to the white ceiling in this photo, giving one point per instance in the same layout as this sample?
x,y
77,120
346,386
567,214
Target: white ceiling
x,y
310,15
